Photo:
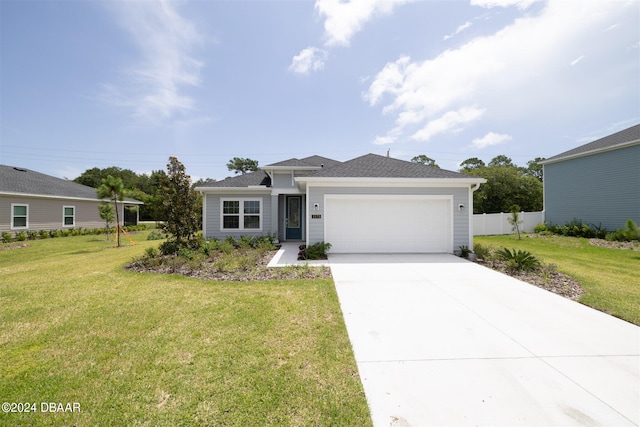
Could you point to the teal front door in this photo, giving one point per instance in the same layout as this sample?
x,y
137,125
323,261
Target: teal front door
x,y
294,218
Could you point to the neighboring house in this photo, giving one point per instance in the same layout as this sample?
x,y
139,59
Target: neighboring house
x,y
597,183
369,204
31,200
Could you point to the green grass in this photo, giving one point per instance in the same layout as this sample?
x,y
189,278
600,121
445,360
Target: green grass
x,y
609,276
159,350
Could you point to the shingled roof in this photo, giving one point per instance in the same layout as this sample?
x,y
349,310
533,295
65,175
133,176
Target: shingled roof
x,y
259,177
622,138
15,180
376,166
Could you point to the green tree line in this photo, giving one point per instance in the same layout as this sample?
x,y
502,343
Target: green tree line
x,y
148,188
507,184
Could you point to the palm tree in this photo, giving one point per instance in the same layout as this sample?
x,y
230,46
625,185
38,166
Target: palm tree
x,y
112,188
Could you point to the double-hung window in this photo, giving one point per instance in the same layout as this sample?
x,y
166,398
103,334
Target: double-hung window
x,y
19,216
68,216
241,214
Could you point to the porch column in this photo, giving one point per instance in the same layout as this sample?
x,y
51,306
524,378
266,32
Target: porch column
x,y
274,214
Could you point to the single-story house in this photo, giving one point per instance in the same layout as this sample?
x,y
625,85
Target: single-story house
x,y
597,183
368,204
31,200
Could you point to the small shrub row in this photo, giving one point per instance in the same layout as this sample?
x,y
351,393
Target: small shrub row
x,y
576,228
23,235
209,247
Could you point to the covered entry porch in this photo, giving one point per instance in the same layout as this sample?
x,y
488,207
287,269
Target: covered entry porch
x,y
291,214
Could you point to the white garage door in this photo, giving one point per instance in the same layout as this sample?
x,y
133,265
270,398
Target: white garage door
x,y
387,224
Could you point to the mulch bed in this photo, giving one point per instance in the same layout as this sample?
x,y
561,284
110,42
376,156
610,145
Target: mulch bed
x,y
549,279
634,246
207,271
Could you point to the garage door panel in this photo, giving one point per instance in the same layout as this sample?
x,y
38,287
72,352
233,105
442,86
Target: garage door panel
x,y
390,224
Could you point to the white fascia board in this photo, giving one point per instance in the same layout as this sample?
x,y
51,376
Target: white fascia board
x,y
227,190
290,191
390,182
590,152
48,196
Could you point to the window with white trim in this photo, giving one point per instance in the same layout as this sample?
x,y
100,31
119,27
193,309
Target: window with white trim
x,y
19,216
68,216
241,214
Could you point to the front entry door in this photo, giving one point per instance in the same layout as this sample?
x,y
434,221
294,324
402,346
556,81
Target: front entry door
x,y
294,218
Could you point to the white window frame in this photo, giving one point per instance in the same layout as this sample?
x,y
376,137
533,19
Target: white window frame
x,y
13,205
241,214
64,215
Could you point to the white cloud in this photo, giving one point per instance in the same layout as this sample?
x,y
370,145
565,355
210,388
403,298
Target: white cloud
x,y
451,121
458,30
309,59
344,19
519,68
490,139
165,40
521,4
578,59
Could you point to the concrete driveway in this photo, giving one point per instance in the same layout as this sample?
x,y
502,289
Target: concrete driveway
x,y
440,341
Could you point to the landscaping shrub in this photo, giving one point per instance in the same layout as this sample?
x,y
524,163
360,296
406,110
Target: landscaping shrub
x,y
627,234
574,228
518,259
465,251
21,236
152,252
315,251
541,228
482,252
156,235
7,237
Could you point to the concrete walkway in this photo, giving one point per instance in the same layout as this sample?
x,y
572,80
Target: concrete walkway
x,y
440,341
288,255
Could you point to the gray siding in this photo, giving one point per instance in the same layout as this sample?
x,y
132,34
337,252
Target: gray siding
x,y
211,223
282,180
461,219
603,188
46,214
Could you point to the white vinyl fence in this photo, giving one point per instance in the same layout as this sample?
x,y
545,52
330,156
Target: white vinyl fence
x,y
486,224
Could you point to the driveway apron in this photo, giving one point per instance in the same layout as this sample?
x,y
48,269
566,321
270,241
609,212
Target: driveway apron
x,y
440,341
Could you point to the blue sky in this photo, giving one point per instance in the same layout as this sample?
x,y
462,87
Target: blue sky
x,y
130,83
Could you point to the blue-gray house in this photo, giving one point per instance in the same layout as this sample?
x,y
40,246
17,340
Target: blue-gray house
x,y
597,183
368,204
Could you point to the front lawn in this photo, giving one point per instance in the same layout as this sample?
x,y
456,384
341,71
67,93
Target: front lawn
x,y
167,350
609,276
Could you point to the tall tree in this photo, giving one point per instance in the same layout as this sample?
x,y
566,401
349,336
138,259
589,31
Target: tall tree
x,y
112,188
501,160
424,160
534,168
242,165
472,164
180,205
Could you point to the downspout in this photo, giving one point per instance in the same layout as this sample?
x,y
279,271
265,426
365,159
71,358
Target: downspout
x,y
473,189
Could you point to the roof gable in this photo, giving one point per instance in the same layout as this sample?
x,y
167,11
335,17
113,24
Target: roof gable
x,y
611,142
320,161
